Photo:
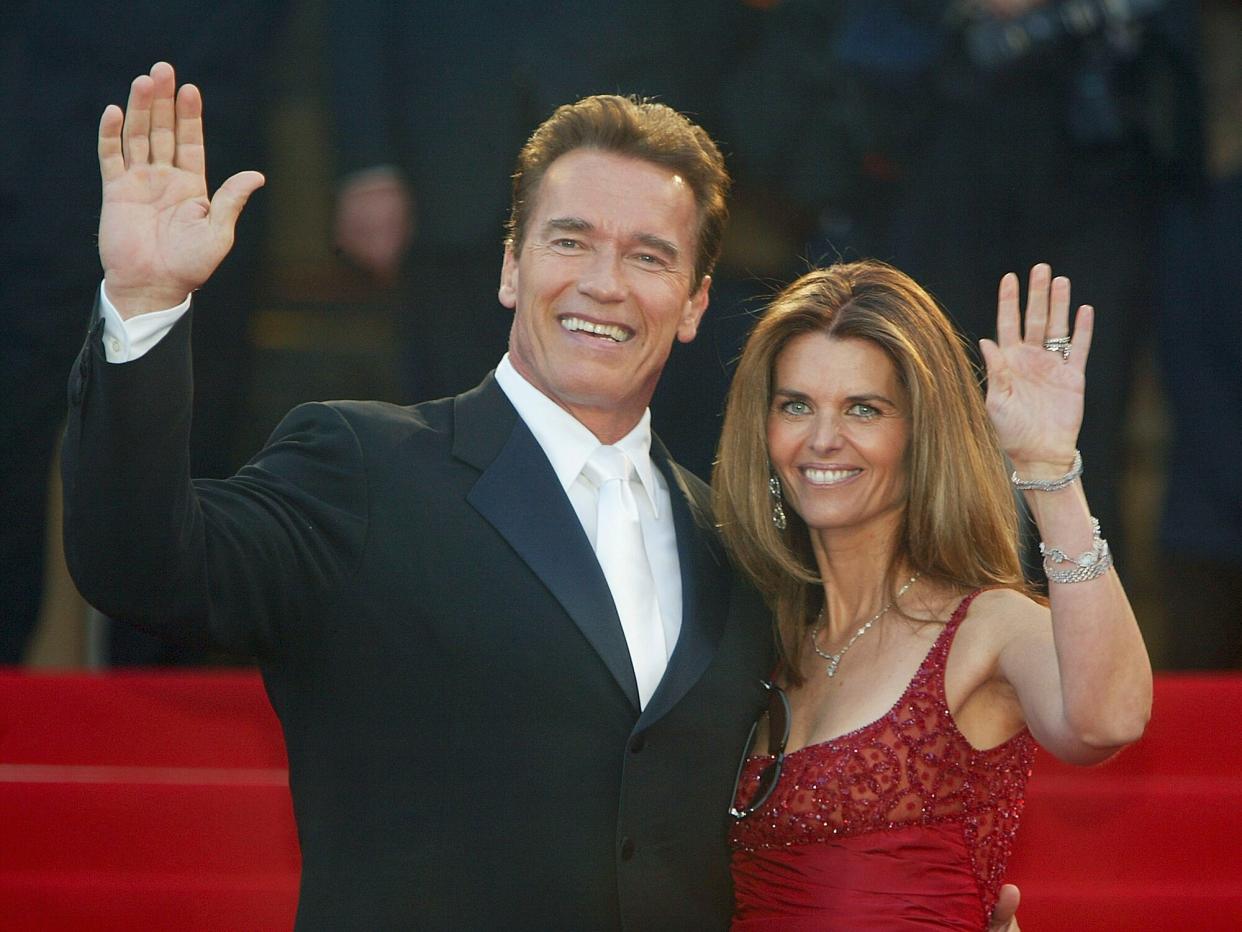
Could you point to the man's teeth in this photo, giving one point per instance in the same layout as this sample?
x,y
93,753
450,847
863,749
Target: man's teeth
x,y
828,475
612,331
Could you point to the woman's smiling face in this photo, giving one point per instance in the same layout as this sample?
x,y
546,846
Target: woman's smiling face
x,y
837,432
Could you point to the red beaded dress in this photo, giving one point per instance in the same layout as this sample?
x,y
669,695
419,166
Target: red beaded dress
x,y
898,825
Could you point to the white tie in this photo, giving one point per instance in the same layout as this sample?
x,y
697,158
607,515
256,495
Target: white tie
x,y
623,558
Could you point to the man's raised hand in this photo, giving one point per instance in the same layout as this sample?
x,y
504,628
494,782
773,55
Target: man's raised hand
x,y
160,237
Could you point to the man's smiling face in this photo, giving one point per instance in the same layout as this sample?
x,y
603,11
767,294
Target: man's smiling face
x,y
603,285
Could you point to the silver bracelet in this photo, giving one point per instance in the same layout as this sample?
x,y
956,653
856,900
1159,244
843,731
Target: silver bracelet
x,y
1092,564
1049,485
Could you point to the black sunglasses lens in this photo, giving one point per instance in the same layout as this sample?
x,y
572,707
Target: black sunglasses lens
x,y
778,738
766,783
778,721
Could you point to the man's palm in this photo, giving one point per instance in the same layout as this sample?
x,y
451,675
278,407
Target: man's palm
x,y
159,235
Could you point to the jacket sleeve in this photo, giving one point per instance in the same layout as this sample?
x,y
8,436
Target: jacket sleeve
x,y
244,564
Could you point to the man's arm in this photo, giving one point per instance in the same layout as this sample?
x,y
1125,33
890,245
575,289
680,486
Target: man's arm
x,y
1005,914
231,562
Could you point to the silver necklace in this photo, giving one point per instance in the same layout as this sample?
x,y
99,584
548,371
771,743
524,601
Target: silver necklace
x,y
834,660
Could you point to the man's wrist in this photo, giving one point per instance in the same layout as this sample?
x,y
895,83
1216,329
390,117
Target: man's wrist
x,y
127,340
131,301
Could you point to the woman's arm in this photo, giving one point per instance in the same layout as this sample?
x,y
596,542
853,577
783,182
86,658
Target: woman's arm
x,y
1084,680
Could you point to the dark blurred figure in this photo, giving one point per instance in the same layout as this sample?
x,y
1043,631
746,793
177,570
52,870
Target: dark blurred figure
x,y
1200,345
960,140
431,100
60,66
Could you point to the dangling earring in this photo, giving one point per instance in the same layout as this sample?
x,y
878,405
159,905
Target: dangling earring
x,y
778,508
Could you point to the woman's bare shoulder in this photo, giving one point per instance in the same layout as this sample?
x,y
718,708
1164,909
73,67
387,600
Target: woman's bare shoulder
x,y
998,615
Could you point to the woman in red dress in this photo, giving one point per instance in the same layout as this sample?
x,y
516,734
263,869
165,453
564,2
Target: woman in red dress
x,y
860,483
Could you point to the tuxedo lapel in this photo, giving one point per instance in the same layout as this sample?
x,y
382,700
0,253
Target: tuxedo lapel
x,y
705,585
519,495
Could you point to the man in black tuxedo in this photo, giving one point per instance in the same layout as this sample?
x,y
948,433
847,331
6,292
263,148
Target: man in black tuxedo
x,y
471,744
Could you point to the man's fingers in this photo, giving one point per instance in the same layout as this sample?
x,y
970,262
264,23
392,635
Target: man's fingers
x,y
1037,304
190,152
163,114
111,160
228,202
136,135
1004,915
1007,324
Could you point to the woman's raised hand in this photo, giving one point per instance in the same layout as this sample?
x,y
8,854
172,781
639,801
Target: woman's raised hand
x,y
1035,373
160,237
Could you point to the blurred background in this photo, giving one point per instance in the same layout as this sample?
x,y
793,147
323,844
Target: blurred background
x,y
957,140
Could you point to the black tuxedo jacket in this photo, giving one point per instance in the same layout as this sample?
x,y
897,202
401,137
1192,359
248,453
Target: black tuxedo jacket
x,y
465,745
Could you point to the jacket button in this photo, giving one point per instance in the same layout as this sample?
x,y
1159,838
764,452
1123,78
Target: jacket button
x,y
637,743
627,848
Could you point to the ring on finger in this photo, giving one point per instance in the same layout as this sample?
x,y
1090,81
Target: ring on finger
x,y
1058,345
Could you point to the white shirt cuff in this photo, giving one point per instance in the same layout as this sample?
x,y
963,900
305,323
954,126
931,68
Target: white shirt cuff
x,y
126,340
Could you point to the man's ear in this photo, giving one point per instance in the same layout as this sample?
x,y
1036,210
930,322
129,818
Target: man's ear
x,y
693,312
508,290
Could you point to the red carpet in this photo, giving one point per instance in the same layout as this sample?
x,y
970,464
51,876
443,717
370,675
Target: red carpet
x,y
141,801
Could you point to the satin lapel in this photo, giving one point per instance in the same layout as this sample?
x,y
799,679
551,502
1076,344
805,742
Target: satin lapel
x,y
705,585
519,495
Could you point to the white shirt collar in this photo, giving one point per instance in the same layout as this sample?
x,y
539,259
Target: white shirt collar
x,y
566,441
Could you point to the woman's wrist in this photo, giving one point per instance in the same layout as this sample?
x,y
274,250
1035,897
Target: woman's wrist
x,y
1046,474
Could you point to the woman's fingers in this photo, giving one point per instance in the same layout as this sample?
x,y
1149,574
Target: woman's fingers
x,y
1084,327
1037,304
1058,315
1000,380
1008,318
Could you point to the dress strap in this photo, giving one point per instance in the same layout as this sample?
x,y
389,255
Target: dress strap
x,y
963,607
939,653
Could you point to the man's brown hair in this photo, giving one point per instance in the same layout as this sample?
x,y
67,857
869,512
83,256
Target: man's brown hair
x,y
640,129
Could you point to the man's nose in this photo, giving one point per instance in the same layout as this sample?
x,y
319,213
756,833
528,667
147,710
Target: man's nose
x,y
603,279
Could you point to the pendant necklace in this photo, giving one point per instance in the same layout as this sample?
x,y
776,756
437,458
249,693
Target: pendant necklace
x,y
834,660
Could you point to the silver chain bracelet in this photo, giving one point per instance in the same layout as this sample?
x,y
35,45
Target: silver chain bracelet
x,y
1049,485
1092,564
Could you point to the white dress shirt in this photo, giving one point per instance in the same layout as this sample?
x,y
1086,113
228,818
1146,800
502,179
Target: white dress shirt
x,y
567,445
565,441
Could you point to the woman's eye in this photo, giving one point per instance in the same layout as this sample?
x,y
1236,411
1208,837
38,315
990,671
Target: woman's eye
x,y
796,407
864,410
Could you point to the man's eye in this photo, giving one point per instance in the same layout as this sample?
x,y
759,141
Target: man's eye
x,y
567,245
649,259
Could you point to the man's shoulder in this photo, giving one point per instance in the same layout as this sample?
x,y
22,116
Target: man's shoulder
x,y
439,425
387,415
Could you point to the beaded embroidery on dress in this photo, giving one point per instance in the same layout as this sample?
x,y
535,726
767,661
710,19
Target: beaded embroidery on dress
x,y
932,817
